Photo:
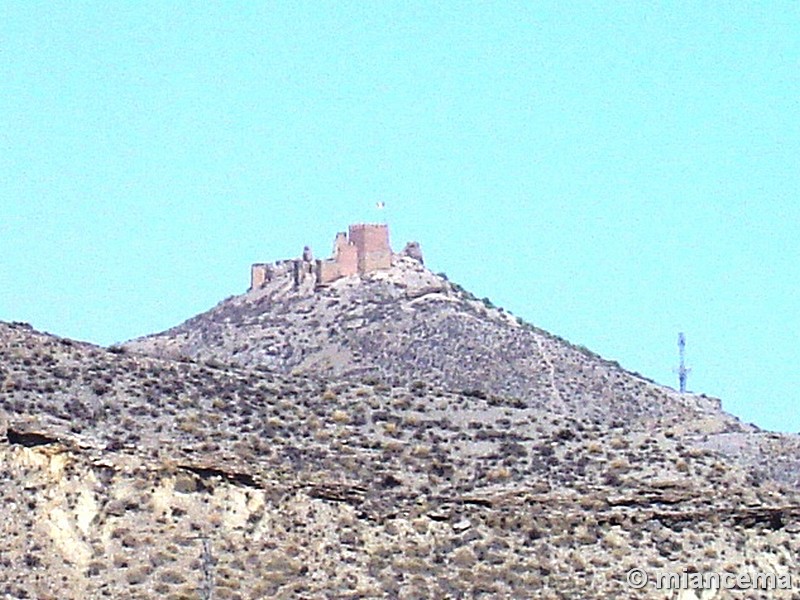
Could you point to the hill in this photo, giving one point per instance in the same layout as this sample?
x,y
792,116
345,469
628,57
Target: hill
x,y
117,467
360,427
406,324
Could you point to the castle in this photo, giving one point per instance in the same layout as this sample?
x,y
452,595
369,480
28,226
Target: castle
x,y
364,248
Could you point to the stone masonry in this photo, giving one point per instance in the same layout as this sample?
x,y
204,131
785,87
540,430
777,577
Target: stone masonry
x,y
372,247
364,248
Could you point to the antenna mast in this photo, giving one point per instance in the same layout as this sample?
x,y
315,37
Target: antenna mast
x,y
683,371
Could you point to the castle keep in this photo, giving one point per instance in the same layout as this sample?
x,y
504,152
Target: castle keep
x,y
364,248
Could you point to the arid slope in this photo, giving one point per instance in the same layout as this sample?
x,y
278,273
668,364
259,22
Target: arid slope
x,y
116,467
408,325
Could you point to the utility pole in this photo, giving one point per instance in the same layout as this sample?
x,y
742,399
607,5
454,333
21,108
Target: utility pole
x,y
683,370
207,589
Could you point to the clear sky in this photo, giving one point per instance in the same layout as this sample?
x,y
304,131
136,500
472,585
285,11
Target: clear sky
x,y
614,172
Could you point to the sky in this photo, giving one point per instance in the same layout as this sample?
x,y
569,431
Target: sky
x,y
613,172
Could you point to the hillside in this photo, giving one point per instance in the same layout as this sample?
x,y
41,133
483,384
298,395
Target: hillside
x,y
115,464
371,431
407,324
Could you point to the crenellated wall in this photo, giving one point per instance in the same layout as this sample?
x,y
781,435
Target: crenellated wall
x,y
363,249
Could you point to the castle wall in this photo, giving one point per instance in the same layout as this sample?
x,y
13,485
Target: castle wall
x,y
340,242
345,255
372,246
327,271
258,276
300,270
365,248
261,273
347,260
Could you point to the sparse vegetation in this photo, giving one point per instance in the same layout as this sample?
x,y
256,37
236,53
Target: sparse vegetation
x,y
500,462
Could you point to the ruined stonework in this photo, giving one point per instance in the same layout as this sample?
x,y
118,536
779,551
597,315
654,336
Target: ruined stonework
x,y
412,250
258,275
263,273
364,248
343,263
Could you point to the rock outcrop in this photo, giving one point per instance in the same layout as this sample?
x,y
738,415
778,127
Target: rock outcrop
x,y
413,250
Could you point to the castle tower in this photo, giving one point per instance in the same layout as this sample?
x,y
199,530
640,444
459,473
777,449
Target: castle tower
x,y
371,241
259,275
345,255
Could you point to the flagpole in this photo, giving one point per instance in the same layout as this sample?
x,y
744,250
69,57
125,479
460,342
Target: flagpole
x,y
381,210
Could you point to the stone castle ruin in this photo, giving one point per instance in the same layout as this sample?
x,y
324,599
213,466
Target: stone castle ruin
x,y
364,248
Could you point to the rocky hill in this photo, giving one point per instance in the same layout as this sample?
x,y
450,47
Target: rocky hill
x,y
132,476
407,324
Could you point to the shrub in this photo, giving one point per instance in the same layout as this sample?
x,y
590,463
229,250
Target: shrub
x,y
339,416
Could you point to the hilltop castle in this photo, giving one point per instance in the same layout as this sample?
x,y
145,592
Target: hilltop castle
x,y
364,248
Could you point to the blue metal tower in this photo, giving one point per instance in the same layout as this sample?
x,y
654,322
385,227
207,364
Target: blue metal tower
x,y
683,370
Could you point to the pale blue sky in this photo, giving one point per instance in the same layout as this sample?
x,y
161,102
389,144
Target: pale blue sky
x,y
613,172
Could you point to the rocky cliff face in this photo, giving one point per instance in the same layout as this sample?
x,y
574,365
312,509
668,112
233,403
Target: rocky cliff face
x,y
345,442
